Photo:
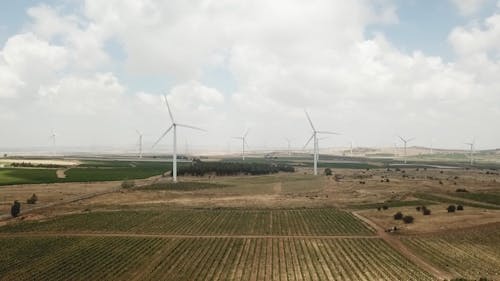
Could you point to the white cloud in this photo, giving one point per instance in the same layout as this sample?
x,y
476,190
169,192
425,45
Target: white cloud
x,y
477,38
469,7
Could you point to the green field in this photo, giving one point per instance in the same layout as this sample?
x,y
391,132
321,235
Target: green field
x,y
87,172
204,222
437,198
466,253
391,204
490,198
128,258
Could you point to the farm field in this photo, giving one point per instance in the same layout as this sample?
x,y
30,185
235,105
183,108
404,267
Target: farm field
x,y
305,222
471,253
284,226
119,258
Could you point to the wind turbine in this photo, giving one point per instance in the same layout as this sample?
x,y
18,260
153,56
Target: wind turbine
x,y
289,141
140,142
405,141
53,138
174,126
471,153
315,138
243,143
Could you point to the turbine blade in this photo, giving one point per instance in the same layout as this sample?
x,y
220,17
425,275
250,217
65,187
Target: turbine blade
x,y
168,107
138,132
191,127
402,139
163,135
310,122
328,132
245,134
238,138
410,139
308,141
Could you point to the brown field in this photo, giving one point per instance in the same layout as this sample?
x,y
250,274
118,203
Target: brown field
x,y
312,249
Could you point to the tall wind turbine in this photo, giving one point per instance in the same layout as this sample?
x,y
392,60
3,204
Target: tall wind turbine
x,y
471,152
174,127
140,142
289,141
53,139
405,141
315,138
243,139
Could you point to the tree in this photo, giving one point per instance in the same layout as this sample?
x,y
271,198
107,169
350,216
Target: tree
x,y
15,209
451,209
460,208
328,172
427,212
32,200
408,219
398,216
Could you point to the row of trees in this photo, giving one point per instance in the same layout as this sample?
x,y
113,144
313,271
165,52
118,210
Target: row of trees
x,y
31,165
199,168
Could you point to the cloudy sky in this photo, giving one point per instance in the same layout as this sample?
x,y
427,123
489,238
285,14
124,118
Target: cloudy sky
x,y
94,71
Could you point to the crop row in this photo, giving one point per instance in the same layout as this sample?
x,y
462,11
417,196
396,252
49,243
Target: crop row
x,y
470,254
282,259
75,258
205,222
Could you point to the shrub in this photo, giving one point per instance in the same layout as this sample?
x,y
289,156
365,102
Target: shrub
x,y
451,209
15,209
398,216
385,207
426,212
128,184
32,200
460,208
408,219
418,208
461,190
328,172
378,208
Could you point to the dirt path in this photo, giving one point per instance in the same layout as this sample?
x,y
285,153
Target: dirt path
x,y
278,187
396,243
141,235
61,173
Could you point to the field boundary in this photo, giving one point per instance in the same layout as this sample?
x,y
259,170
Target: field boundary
x,y
398,245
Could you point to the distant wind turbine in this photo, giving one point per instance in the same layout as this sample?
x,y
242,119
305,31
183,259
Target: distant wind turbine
x,y
289,141
174,126
315,138
53,138
140,142
471,153
405,141
243,139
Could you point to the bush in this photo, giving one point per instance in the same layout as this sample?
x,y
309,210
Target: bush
x,y
408,219
385,207
451,209
426,212
328,172
418,208
32,200
461,190
398,216
128,184
460,208
15,209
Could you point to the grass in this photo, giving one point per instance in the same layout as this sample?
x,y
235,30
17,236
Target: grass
x,y
491,198
182,186
203,222
10,176
88,172
437,198
391,204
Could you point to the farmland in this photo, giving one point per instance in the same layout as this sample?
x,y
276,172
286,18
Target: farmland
x,y
282,226
119,258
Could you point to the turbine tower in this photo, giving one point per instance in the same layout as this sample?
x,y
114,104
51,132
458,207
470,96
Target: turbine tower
x,y
53,138
405,142
243,143
471,151
289,141
315,138
174,127
140,142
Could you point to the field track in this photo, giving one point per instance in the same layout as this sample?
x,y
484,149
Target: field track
x,y
403,250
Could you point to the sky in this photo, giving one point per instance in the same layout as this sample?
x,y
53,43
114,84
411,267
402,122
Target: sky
x,y
94,72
